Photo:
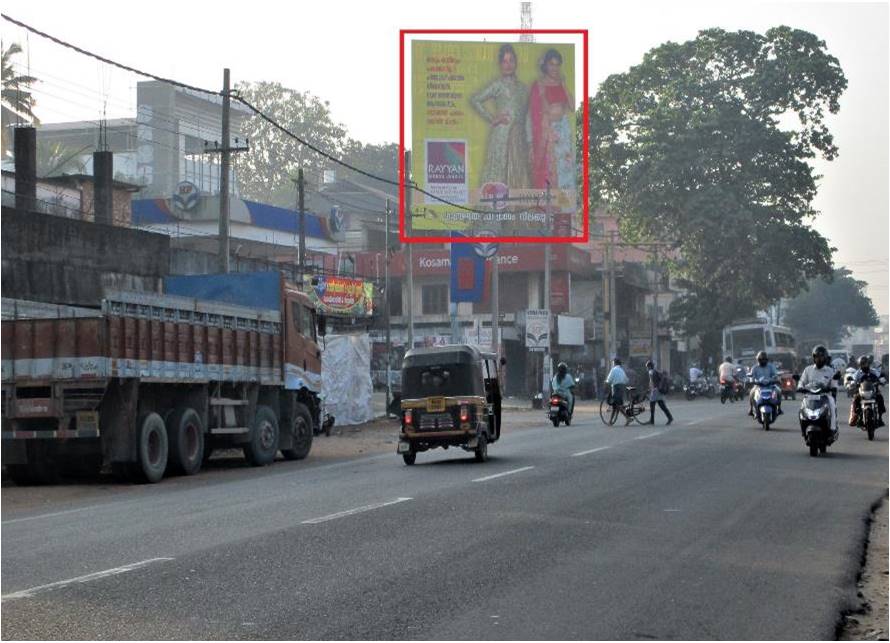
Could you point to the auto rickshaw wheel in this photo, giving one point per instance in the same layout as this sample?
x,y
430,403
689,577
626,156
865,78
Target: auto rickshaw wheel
x,y
482,448
410,457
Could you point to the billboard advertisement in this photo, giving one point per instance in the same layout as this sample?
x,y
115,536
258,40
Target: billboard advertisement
x,y
341,295
493,138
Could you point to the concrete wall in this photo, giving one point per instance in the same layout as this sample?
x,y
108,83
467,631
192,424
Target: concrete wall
x,y
58,260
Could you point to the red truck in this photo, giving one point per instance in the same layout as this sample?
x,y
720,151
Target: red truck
x,y
154,382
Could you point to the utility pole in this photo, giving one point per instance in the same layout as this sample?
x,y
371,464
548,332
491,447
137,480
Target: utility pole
x,y
386,306
225,162
409,189
548,365
613,304
301,192
607,303
656,357
225,151
495,304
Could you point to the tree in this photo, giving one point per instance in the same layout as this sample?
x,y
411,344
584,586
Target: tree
x,y
16,94
265,173
697,146
827,307
54,159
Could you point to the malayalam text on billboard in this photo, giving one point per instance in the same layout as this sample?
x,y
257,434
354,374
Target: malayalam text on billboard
x,y
494,135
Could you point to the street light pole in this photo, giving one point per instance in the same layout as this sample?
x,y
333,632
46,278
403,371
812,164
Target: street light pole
x,y
386,305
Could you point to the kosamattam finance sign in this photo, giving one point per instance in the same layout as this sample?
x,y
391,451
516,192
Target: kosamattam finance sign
x,y
493,124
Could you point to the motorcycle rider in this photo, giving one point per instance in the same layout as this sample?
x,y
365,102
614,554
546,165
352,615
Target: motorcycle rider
x,y
764,370
866,374
727,371
820,373
563,384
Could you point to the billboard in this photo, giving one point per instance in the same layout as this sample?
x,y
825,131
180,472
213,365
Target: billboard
x,y
493,139
341,295
537,329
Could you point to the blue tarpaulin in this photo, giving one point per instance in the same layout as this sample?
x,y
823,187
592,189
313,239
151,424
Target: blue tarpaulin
x,y
251,289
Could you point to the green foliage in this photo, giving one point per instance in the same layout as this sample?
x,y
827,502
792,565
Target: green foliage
x,y
54,159
693,147
16,93
828,306
265,173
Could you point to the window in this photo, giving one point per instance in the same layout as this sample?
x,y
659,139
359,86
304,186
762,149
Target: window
x,y
304,320
747,341
434,299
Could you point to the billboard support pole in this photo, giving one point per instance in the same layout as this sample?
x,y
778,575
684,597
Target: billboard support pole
x,y
495,304
386,305
301,187
410,296
547,365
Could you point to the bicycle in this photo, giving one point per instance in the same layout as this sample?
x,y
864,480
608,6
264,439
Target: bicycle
x,y
631,410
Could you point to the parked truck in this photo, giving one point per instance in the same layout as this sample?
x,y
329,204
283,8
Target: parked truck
x,y
153,383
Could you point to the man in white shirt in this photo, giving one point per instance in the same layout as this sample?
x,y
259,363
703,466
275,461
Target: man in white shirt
x,y
694,373
727,371
618,380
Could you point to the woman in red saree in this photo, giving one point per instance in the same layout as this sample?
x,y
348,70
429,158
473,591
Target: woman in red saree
x,y
550,109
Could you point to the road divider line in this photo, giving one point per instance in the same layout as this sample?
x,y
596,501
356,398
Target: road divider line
x,y
28,593
501,475
648,435
694,422
352,512
49,515
589,451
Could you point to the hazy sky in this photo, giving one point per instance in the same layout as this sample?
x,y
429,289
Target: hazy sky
x,y
347,53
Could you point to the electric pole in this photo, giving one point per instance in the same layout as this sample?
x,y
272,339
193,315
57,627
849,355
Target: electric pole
x,y
548,366
225,161
386,305
301,191
409,189
225,151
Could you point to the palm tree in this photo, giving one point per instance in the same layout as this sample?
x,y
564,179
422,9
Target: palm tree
x,y
16,95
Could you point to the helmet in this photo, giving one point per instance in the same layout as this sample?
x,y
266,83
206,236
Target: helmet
x,y
863,362
820,356
649,364
562,368
762,358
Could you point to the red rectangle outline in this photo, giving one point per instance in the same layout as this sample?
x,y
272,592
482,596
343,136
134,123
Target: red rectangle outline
x,y
585,152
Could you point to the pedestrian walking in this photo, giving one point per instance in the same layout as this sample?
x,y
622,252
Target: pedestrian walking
x,y
655,395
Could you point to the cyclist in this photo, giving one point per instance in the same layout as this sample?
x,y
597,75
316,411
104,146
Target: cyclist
x,y
618,380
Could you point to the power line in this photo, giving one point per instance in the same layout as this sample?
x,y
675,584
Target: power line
x,y
251,107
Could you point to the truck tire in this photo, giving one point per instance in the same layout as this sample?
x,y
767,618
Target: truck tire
x,y
263,444
301,433
185,435
152,449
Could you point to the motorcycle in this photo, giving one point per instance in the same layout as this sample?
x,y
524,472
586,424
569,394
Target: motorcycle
x,y
727,391
766,403
696,388
815,420
739,389
849,383
559,410
868,408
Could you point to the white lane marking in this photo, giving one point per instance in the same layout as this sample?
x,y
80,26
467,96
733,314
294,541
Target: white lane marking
x,y
49,515
575,455
352,512
500,475
27,593
694,422
648,435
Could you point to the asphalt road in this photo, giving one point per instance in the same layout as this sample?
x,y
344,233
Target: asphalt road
x,y
709,528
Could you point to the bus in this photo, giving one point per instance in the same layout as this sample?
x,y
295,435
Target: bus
x,y
742,340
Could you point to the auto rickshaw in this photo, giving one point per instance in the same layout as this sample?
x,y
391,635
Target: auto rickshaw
x,y
451,396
